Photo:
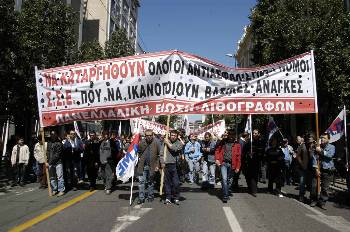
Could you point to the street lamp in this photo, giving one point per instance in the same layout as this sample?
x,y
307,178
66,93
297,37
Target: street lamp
x,y
233,56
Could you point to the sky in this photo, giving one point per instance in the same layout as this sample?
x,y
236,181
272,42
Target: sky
x,y
207,28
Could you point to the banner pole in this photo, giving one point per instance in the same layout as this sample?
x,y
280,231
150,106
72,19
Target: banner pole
x,y
164,155
346,142
46,164
132,186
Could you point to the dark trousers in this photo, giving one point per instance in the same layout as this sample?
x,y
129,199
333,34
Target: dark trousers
x,y
18,173
275,176
251,173
92,171
71,169
326,178
107,170
172,184
235,178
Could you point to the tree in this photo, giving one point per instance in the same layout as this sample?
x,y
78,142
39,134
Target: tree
x,y
89,51
282,29
8,48
162,119
118,45
46,39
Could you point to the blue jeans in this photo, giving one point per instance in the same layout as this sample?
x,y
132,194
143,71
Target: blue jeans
x,y
56,171
226,170
210,171
302,182
194,167
146,179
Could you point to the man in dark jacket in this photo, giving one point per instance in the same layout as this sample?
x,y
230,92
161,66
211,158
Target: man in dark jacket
x,y
149,151
54,156
107,149
275,163
302,158
252,154
171,179
92,159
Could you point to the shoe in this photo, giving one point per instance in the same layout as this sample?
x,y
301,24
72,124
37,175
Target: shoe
x,y
140,201
177,202
224,200
108,192
80,182
322,205
253,194
54,193
92,189
280,195
60,194
302,199
313,203
75,189
167,202
21,184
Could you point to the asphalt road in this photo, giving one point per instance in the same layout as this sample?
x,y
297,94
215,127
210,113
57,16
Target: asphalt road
x,y
199,211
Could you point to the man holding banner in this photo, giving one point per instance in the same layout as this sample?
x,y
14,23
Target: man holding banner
x,y
172,183
149,151
325,152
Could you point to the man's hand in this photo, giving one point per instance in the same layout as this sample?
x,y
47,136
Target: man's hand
x,y
182,157
156,169
318,173
236,170
318,149
162,166
217,162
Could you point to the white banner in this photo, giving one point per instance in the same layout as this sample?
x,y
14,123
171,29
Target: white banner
x,y
217,129
144,125
172,82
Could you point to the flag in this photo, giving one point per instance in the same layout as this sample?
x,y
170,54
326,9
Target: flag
x,y
120,129
76,129
126,166
271,127
336,129
186,125
248,125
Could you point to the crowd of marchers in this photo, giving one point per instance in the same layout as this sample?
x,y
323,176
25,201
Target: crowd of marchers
x,y
207,163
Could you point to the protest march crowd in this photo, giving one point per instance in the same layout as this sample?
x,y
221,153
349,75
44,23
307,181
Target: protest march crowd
x,y
213,161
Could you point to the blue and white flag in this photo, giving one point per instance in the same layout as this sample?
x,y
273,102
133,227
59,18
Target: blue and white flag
x,y
248,125
336,129
76,129
271,127
126,166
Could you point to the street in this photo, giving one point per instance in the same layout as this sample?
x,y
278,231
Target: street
x,y
198,211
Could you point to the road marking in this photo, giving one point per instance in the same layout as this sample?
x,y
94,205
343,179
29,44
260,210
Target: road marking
x,y
232,220
335,222
51,212
126,220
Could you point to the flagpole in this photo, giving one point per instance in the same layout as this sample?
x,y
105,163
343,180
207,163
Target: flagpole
x,y
164,155
251,135
316,115
346,141
132,186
